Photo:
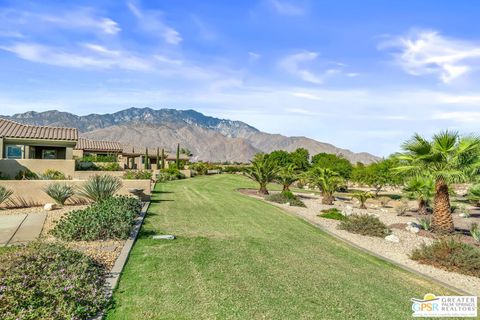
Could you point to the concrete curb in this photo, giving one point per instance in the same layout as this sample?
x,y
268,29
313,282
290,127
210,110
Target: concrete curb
x,y
114,275
399,265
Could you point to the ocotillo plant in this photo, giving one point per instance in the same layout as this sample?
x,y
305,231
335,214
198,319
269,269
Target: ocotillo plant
x,y
163,158
178,156
146,159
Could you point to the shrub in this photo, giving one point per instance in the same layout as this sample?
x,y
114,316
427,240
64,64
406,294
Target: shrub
x,y
137,175
362,196
49,281
384,200
402,208
52,174
110,166
112,218
475,232
366,225
473,194
170,174
100,187
425,223
60,192
451,254
5,194
285,197
26,175
332,213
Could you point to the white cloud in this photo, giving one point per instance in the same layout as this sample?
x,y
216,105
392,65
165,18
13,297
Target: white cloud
x,y
425,52
460,99
459,116
253,56
295,65
286,8
152,21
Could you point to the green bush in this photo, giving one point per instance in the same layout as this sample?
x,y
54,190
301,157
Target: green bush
x,y
26,175
285,197
473,194
52,174
170,174
451,254
91,158
100,187
475,232
110,166
425,223
137,175
332,213
60,192
365,224
49,281
112,218
5,194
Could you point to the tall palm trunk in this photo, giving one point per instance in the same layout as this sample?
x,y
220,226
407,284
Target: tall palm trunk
x,y
442,220
422,206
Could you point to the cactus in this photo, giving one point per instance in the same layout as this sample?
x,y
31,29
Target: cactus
x,y
178,156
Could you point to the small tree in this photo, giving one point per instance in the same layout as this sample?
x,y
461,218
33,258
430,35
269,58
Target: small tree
x,y
362,196
158,157
326,180
333,162
145,163
178,157
163,159
421,189
286,176
263,170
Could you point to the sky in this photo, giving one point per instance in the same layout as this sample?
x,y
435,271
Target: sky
x,y
363,75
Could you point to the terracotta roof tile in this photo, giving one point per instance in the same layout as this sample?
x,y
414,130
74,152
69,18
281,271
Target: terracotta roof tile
x,y
98,145
12,129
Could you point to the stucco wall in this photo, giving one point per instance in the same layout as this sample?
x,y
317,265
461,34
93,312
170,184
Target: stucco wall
x,y
11,167
30,192
84,175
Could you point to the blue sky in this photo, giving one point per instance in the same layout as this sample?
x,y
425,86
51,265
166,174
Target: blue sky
x,y
363,75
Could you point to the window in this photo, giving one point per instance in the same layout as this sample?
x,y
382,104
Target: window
x,y
49,154
14,152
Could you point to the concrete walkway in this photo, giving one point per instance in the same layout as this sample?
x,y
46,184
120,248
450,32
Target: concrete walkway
x,y
20,228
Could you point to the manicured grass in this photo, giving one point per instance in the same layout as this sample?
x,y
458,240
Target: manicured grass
x,y
240,258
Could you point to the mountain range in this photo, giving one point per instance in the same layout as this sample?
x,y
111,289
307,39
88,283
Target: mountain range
x,y
208,138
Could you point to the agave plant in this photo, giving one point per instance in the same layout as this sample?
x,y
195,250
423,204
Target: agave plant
x,y
5,194
326,180
60,192
448,158
421,189
362,196
473,195
263,170
100,187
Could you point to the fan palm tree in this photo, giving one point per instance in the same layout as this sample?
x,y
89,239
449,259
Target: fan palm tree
x,y
421,189
286,176
326,180
263,170
448,158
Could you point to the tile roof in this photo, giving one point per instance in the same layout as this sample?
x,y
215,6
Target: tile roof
x,y
12,129
98,145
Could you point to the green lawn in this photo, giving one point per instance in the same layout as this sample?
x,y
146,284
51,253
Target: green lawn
x,y
240,258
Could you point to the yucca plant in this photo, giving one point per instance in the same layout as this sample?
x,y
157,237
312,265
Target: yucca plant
x,y
473,195
362,196
100,187
60,192
5,194
447,158
263,170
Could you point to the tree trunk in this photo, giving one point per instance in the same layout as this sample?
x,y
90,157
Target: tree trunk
x,y
286,187
442,220
362,205
263,189
327,199
422,207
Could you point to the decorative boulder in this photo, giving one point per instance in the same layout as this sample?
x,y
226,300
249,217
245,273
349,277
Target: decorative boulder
x,y
413,229
50,206
164,237
392,238
347,211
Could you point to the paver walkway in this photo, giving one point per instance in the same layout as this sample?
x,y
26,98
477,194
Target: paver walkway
x,y
20,228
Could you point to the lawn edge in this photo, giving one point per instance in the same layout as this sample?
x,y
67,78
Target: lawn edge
x,y
369,252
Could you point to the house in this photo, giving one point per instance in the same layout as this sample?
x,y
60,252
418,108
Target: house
x,y
36,148
97,148
134,157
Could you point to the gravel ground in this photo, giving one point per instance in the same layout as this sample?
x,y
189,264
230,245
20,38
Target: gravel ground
x,y
106,252
397,252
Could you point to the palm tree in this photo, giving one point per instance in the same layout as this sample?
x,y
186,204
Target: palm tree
x,y
448,158
362,196
326,180
263,170
287,175
473,195
421,189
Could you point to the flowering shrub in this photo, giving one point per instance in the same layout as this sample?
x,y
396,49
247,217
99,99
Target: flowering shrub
x,y
49,281
112,218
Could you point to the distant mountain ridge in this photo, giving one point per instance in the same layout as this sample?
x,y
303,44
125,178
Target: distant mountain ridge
x,y
209,138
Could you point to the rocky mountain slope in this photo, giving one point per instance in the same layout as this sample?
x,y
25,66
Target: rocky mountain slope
x,y
209,138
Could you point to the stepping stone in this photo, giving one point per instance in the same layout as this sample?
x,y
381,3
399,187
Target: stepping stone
x,y
8,227
30,229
